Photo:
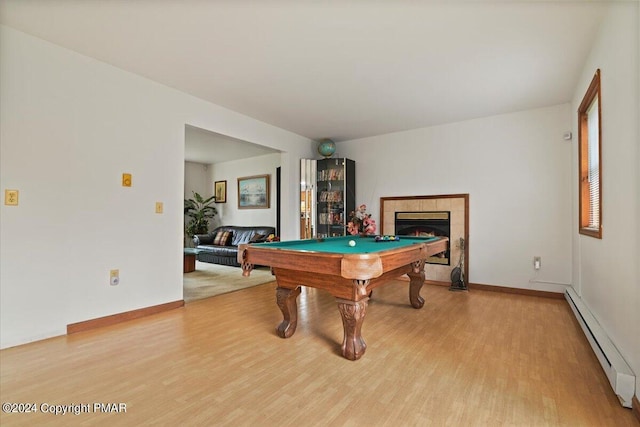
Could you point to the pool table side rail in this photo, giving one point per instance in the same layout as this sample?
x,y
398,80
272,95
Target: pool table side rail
x,y
311,262
397,259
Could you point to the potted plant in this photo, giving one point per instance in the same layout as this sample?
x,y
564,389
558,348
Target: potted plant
x,y
200,210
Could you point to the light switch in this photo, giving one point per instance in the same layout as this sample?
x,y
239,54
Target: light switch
x,y
11,197
126,180
159,207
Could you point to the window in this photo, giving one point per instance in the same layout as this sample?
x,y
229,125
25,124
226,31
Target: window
x,y
590,155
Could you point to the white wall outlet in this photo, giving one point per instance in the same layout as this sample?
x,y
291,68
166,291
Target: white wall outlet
x,y
114,277
537,262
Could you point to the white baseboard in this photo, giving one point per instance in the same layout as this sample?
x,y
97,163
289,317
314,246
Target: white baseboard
x,y
621,377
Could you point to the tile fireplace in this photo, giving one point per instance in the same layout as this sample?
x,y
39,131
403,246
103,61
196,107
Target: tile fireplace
x,y
415,212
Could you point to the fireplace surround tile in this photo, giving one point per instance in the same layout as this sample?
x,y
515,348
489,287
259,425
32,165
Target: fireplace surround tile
x,y
425,205
443,204
458,204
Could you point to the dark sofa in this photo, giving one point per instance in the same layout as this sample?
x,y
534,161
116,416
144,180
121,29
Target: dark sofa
x,y
218,248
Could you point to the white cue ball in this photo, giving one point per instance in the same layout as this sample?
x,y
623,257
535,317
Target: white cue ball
x,y
352,242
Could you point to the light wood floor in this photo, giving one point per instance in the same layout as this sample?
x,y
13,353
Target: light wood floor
x,y
465,359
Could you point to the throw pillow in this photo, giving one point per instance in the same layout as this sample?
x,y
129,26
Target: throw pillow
x,y
222,238
258,238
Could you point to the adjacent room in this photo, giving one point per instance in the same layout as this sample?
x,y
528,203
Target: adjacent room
x,y
214,158
320,213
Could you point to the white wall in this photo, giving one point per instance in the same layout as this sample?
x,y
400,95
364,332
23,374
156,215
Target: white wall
x,y
70,126
197,179
228,213
516,169
606,270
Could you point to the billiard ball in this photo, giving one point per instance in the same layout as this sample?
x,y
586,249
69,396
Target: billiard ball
x,y
352,242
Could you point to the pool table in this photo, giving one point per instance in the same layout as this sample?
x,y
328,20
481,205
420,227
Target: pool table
x,y
349,273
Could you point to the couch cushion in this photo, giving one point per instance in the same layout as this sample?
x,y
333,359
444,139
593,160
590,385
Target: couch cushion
x,y
220,251
223,238
258,238
242,234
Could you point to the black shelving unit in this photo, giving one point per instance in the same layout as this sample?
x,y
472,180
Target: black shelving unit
x,y
336,189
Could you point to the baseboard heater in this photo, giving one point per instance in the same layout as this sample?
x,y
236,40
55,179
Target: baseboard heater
x,y
622,379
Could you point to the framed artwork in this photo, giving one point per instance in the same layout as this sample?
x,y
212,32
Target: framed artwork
x,y
253,192
220,191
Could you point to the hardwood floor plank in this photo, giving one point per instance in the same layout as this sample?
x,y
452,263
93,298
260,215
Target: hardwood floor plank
x,y
467,359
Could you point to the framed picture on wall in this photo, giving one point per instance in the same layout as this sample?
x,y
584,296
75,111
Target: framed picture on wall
x,y
253,192
220,191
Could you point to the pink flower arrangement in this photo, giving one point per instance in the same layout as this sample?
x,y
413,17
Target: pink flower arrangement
x,y
361,222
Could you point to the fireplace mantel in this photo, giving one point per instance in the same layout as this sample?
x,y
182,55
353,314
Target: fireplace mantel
x,y
457,204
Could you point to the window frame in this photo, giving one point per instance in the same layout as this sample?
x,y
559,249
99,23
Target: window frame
x,y
584,199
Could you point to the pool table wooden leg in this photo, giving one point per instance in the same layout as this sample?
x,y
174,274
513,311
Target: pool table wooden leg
x,y
417,280
353,346
288,304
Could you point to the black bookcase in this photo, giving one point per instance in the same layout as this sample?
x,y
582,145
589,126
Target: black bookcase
x,y
336,191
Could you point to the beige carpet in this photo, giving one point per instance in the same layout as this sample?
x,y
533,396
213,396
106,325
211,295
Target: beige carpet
x,y
212,279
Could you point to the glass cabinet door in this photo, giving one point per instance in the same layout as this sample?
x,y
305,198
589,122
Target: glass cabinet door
x,y
307,198
335,195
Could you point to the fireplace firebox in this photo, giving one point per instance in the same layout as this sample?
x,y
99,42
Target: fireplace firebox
x,y
425,224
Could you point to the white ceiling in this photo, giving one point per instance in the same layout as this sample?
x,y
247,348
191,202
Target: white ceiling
x,y
335,69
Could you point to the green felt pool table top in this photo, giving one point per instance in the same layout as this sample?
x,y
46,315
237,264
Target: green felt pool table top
x,y
340,245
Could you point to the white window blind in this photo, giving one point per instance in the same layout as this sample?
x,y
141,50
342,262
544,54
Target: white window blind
x,y
594,166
